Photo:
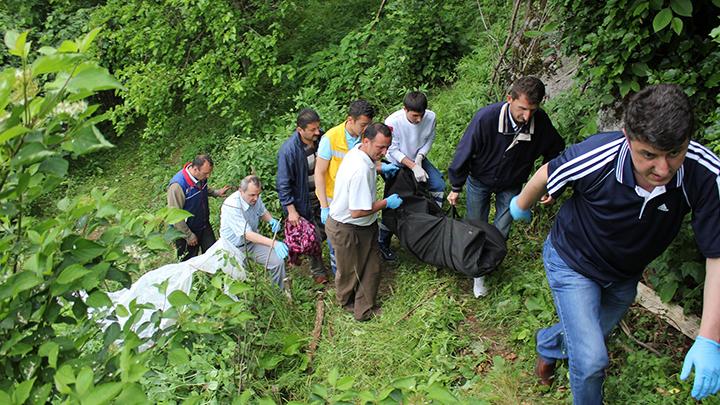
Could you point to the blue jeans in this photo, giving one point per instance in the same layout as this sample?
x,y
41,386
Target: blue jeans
x,y
478,204
588,311
435,178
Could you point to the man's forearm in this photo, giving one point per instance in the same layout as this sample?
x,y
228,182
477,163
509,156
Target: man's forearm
x,y
377,206
710,324
534,189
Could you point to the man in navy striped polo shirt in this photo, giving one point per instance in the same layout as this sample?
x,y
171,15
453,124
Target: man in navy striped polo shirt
x,y
631,191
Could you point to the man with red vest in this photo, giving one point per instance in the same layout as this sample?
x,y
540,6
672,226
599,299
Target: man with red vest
x,y
188,190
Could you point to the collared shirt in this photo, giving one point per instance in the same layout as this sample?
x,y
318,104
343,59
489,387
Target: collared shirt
x,y
410,139
324,150
496,155
237,217
355,188
611,229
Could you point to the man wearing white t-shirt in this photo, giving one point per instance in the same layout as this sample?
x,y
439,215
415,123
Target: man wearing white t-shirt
x,y
413,129
352,227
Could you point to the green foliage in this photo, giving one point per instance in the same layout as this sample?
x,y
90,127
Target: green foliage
x,y
642,42
47,262
206,59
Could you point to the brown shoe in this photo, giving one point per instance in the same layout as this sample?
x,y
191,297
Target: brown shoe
x,y
544,371
321,279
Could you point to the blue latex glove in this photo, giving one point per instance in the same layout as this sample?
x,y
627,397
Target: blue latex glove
x,y
389,170
704,355
324,212
517,213
281,249
274,225
393,201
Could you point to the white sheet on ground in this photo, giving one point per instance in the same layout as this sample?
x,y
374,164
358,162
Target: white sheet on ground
x,y
221,256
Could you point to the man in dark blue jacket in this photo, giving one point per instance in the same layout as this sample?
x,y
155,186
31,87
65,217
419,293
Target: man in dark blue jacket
x,y
497,153
295,180
188,190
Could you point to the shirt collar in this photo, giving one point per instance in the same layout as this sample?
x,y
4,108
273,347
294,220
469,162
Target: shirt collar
x,y
365,157
243,204
506,123
624,170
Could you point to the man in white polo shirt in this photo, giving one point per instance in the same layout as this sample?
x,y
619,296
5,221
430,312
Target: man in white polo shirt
x,y
352,228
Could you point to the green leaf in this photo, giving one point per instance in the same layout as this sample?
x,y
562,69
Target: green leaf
x,y
156,242
406,383
68,46
92,78
111,334
333,376
345,383
88,139
667,290
238,287
86,250
18,283
22,391
173,215
625,87
7,81
98,299
682,7
640,69
13,132
84,380
121,311
677,25
178,298
31,153
84,44
178,357
532,33
64,377
53,63
441,394
17,43
71,273
103,394
56,166
662,19
50,350
132,394
5,398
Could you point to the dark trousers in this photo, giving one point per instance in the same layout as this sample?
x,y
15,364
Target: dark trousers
x,y
206,238
358,265
317,267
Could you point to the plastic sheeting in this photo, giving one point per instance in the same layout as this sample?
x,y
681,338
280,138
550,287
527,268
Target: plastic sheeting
x,y
221,256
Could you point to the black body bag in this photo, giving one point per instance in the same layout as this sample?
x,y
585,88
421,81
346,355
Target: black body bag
x,y
472,248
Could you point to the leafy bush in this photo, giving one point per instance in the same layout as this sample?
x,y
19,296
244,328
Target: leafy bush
x,y
46,262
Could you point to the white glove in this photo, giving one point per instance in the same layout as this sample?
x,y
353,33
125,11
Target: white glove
x,y
420,174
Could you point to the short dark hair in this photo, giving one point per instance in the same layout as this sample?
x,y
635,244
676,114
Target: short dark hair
x,y
200,160
415,101
532,87
376,128
660,115
359,108
307,116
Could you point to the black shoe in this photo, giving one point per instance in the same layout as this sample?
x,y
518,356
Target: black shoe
x,y
387,253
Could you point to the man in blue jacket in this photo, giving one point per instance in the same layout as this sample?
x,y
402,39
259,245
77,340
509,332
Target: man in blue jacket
x,y
189,190
497,153
631,192
295,181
